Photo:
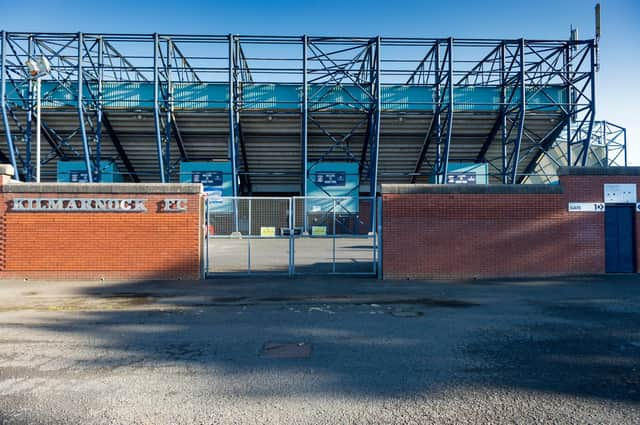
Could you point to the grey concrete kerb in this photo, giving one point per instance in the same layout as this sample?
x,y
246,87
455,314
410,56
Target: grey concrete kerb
x,y
109,188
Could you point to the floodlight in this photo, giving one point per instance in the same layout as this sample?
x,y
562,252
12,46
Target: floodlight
x,y
38,67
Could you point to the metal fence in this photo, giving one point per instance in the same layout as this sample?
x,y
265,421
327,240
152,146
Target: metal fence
x,y
300,235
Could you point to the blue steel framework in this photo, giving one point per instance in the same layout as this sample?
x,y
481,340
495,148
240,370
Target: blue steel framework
x,y
353,67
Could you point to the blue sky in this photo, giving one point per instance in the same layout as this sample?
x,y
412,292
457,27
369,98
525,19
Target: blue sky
x,y
618,88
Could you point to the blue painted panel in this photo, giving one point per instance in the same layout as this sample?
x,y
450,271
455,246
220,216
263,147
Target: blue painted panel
x,y
281,96
466,173
333,179
128,95
216,179
407,98
475,99
346,97
271,96
201,96
619,240
76,172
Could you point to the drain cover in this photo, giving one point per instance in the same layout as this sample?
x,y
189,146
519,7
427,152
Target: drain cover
x,y
285,350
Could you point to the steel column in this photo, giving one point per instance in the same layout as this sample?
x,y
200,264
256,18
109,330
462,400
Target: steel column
x,y
99,109
592,73
447,145
442,152
504,136
503,119
375,149
156,107
169,113
28,128
624,146
523,105
83,131
3,106
304,121
232,131
232,118
568,57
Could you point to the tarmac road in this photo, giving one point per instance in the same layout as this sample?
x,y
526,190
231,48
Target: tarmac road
x,y
318,351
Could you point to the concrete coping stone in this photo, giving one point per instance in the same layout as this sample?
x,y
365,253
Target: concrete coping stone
x,y
103,188
527,189
599,171
6,170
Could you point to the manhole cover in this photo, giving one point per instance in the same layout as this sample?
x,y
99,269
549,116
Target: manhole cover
x,y
285,350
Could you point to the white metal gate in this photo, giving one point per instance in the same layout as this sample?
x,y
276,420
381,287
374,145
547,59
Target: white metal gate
x,y
300,235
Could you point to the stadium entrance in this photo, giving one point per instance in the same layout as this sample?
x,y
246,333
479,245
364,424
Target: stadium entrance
x,y
293,236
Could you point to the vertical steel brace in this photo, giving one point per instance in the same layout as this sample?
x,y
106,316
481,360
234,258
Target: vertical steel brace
x,y
27,130
99,109
592,112
568,57
304,121
375,149
447,145
503,132
232,117
169,112
3,106
83,130
523,109
156,107
442,152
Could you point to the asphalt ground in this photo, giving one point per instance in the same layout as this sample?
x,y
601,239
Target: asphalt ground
x,y
321,351
318,255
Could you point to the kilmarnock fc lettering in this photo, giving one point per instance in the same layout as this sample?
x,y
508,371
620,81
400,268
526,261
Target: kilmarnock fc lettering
x,y
78,204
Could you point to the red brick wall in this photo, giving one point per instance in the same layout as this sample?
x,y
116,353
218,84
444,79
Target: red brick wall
x,y
93,245
496,235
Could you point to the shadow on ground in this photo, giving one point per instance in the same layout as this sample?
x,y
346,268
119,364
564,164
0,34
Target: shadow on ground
x,y
521,338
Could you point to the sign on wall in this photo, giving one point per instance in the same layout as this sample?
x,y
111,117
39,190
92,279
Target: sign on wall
x,y
620,193
211,180
79,176
79,204
461,178
586,207
93,205
330,178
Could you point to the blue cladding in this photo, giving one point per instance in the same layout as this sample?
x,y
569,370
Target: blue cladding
x,y
76,172
407,98
284,96
351,98
216,179
271,96
333,179
475,98
128,95
466,173
200,96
